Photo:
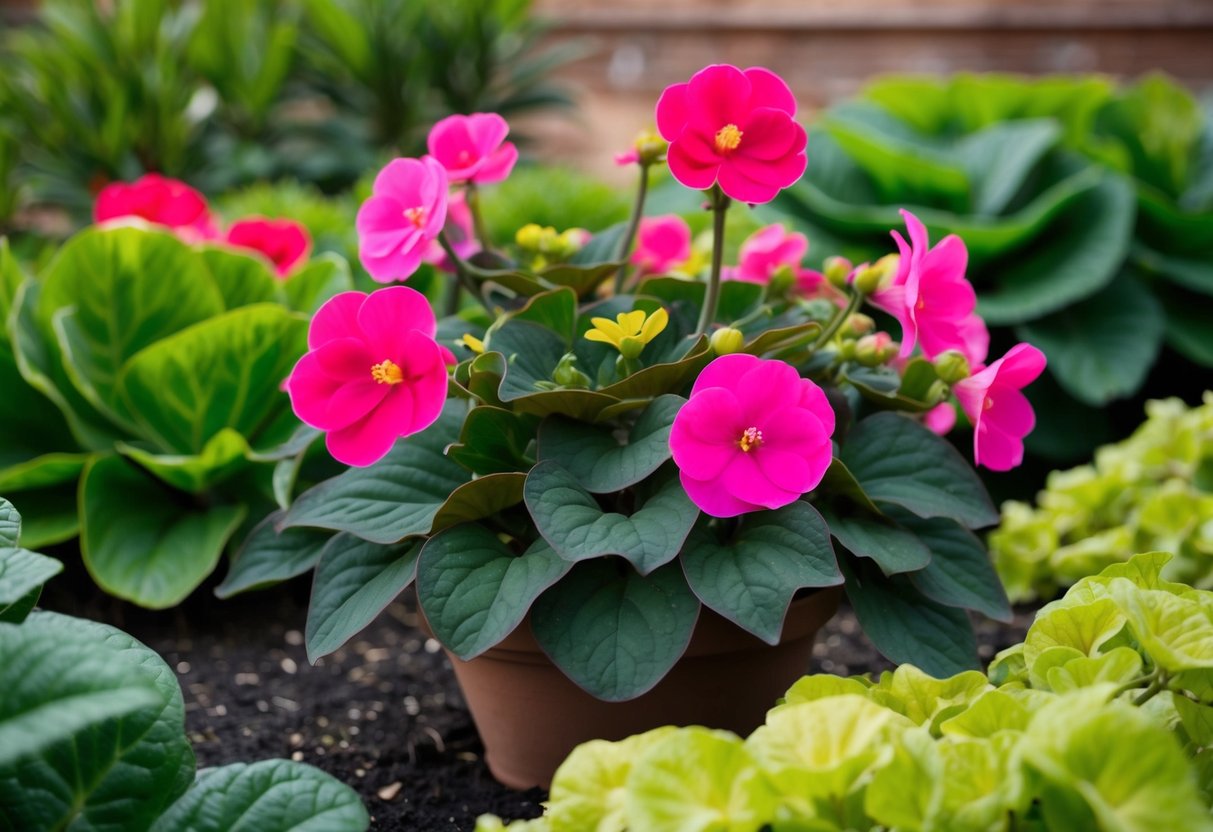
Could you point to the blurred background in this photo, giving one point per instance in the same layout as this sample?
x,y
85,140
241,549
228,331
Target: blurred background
x,y
1069,143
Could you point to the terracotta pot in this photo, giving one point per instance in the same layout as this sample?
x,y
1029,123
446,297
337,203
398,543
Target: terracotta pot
x,y
530,715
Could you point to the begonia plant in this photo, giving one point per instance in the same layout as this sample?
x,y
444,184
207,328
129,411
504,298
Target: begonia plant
x,y
609,436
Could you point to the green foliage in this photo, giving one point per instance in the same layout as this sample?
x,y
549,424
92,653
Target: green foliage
x,y
1086,209
142,401
551,196
1153,491
92,735
1068,732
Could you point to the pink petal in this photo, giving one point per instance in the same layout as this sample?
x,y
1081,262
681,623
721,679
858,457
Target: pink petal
x,y
996,450
488,131
718,95
940,419
401,180
310,389
769,90
736,185
919,242
497,167
398,265
368,440
354,400
1009,411
771,134
1021,366
336,318
971,392
706,433
389,315
787,470
345,358
450,142
814,399
713,499
673,111
747,482
693,163
724,372
381,226
766,388
796,430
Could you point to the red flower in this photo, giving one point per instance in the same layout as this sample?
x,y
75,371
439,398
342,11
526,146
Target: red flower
x,y
285,243
158,200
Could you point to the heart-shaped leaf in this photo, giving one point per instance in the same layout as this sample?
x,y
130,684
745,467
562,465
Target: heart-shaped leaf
x,y
571,520
897,460
594,456
495,440
894,548
115,762
751,577
612,631
960,573
140,539
394,498
268,796
355,580
480,498
475,591
269,556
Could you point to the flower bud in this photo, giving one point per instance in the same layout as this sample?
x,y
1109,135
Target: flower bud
x,y
937,392
531,236
951,366
836,270
877,348
869,279
858,324
727,340
566,373
650,148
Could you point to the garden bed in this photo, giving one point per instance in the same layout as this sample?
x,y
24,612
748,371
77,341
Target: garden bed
x,y
382,714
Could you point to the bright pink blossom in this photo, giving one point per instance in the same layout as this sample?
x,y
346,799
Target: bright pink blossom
x,y
629,157
459,231
753,435
405,213
931,299
662,243
1000,413
158,200
941,418
473,148
372,374
734,128
285,243
768,250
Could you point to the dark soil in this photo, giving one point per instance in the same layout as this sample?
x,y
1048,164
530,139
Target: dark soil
x,y
383,714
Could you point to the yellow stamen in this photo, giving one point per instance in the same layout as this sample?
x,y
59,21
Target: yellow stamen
x,y
387,372
728,138
417,216
750,438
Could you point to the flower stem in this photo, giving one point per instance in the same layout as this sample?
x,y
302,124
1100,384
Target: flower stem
x,y
839,319
720,208
478,226
462,274
1156,687
629,236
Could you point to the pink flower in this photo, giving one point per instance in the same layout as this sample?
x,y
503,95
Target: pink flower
x,y
473,148
285,243
734,128
372,374
768,250
405,213
459,231
661,244
630,157
753,435
931,299
941,418
158,200
1000,413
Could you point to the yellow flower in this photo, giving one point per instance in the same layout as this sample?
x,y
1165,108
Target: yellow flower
x,y
630,331
471,342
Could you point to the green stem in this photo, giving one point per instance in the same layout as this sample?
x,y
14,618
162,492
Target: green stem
x,y
453,297
839,319
478,226
1133,684
1156,687
720,208
629,236
462,273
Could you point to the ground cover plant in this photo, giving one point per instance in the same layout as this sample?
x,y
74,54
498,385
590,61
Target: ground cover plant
x,y
1099,720
584,468
1152,491
1082,204
92,732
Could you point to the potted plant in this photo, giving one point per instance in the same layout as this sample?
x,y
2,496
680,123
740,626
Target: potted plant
x,y
628,488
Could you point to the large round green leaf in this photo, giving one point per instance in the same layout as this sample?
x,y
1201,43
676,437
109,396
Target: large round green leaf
x,y
354,581
104,746
475,591
267,796
145,542
241,277
571,520
595,457
612,631
897,460
751,576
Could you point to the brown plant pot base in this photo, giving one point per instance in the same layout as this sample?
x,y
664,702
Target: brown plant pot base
x,y
530,715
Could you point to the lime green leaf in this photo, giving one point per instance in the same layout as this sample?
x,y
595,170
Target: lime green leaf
x,y
85,760
242,278
921,698
1175,632
990,713
698,780
614,632
751,576
596,458
321,278
222,373
1118,665
268,556
355,579
1084,628
42,471
897,460
269,796
223,455
894,548
475,591
396,497
1197,721
140,542
823,686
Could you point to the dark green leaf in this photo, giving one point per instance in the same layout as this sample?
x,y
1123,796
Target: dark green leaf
x,y
22,572
42,471
840,480
999,158
572,521
495,440
269,556
893,547
475,591
1188,330
355,580
612,631
751,577
960,573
